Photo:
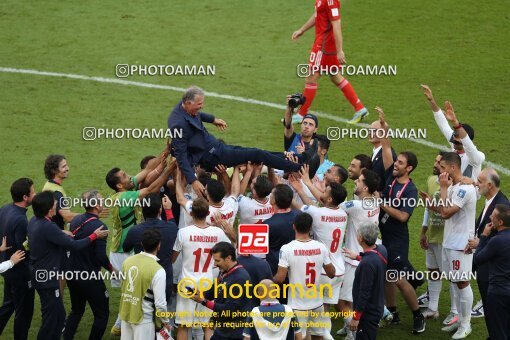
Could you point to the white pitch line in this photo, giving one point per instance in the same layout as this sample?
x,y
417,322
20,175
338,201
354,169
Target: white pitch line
x,y
498,167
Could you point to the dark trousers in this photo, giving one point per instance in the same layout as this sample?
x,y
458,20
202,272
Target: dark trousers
x,y
53,314
18,299
367,328
497,316
482,278
95,293
230,155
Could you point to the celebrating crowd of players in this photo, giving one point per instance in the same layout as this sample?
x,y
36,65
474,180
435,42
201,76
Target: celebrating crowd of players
x,y
318,234
199,189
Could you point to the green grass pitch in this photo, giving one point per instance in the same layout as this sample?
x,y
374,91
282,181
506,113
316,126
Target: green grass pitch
x,y
458,48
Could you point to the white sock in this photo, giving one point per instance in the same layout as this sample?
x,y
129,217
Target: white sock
x,y
466,303
453,299
457,302
434,291
117,322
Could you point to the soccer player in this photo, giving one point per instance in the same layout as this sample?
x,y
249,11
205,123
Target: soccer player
x,y
360,212
335,174
195,242
431,240
302,259
400,196
56,170
320,164
256,208
18,289
329,224
215,194
460,137
327,53
459,213
357,165
126,211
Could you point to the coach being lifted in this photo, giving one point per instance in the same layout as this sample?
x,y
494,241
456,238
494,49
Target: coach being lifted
x,y
197,146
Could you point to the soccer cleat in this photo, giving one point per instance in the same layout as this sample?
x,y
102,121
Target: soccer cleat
x,y
419,324
350,335
451,319
477,311
387,318
462,332
296,119
423,300
451,328
115,331
395,319
358,116
430,314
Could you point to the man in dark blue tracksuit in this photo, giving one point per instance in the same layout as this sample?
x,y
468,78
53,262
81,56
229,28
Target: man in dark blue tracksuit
x,y
495,251
18,288
368,285
47,242
168,230
88,260
197,146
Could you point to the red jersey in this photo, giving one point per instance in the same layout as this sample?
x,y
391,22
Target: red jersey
x,y
326,11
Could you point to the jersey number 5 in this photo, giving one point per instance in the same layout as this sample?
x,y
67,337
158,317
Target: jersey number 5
x,y
310,273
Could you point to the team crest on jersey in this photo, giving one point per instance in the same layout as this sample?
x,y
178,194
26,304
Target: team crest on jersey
x,y
461,193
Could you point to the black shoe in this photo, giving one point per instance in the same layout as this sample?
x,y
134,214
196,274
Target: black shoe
x,y
396,319
418,324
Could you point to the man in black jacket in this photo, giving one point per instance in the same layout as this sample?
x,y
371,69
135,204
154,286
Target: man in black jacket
x,y
47,242
18,288
495,252
230,326
369,280
89,260
488,183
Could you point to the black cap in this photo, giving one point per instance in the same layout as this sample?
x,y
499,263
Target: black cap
x,y
313,117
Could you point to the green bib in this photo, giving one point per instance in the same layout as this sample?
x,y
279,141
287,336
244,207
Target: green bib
x,y
139,270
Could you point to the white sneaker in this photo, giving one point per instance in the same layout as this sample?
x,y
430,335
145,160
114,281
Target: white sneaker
x,y
451,319
342,331
350,335
477,311
386,319
430,314
423,300
462,332
452,327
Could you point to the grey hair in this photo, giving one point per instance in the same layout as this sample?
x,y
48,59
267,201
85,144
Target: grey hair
x,y
191,93
90,199
368,233
493,177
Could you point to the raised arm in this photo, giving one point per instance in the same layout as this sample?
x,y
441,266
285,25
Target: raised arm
x,y
385,141
158,183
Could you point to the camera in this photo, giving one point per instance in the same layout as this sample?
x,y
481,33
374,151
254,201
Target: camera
x,y
296,100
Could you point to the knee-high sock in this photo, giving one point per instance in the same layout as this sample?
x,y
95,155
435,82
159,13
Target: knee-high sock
x,y
350,94
466,303
309,93
453,299
434,291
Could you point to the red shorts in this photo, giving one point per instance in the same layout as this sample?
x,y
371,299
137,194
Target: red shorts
x,y
324,62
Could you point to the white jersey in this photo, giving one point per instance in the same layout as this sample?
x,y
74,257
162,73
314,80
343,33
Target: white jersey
x,y
306,191
356,216
328,227
253,211
460,227
195,244
304,261
228,211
